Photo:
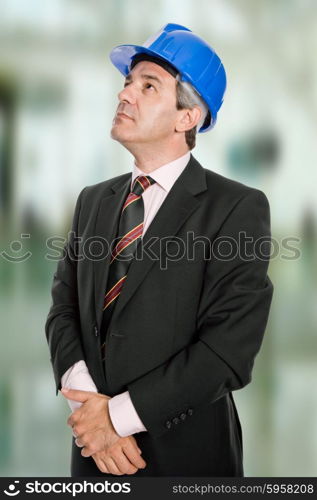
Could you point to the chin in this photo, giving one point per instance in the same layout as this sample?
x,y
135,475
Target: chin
x,y
115,133
120,138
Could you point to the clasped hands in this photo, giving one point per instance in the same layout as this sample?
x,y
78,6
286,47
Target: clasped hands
x,y
95,434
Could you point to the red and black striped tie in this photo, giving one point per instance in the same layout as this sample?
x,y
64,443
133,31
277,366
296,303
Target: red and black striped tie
x,y
129,234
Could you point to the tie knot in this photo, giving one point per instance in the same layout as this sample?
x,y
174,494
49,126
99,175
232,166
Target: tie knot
x,y
141,183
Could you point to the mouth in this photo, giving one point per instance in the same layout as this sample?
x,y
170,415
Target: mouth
x,y
123,115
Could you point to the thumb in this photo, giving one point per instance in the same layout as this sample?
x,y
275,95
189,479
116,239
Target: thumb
x,y
76,395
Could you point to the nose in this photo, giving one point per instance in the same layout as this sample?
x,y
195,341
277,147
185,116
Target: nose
x,y
127,94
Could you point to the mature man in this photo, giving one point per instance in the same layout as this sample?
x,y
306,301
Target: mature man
x,y
151,334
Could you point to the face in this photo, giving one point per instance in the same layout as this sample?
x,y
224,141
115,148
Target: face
x,y
146,111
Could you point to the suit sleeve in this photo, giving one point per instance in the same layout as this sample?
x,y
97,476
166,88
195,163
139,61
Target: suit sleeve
x,y
62,326
233,313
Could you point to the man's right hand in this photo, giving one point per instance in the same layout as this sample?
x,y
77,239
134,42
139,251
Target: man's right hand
x,y
123,457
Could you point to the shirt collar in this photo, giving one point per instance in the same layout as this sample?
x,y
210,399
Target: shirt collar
x,y
167,174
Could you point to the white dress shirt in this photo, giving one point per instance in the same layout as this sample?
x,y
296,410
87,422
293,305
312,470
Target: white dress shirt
x,y
121,409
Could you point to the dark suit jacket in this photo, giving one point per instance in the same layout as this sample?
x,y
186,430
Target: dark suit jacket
x,y
183,335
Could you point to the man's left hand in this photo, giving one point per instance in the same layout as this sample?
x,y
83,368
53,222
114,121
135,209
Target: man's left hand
x,y
91,423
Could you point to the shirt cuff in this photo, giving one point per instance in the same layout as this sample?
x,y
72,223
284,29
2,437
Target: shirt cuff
x,y
78,377
123,415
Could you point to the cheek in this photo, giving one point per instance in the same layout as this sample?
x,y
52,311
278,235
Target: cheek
x,y
160,119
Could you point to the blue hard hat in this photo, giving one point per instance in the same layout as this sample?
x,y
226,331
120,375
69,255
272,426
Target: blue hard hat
x,y
195,61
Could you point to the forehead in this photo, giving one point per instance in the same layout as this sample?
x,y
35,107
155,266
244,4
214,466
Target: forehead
x,y
150,68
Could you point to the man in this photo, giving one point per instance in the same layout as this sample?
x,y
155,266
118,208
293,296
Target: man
x,y
151,337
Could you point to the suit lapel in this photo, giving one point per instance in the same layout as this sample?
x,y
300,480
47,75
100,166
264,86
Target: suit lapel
x,y
178,205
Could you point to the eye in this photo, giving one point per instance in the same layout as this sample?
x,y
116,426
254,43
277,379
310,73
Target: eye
x,y
149,85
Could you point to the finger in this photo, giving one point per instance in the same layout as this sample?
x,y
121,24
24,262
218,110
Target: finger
x,y
76,395
100,464
122,462
112,467
103,468
71,421
74,429
133,455
85,452
104,465
79,443
132,440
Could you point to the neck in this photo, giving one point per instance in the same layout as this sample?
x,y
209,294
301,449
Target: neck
x,y
150,159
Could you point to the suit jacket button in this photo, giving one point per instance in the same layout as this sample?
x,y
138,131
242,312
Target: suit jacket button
x,y
175,420
168,424
182,416
190,412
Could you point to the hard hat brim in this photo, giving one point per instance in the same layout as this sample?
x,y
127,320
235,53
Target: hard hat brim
x,y
122,55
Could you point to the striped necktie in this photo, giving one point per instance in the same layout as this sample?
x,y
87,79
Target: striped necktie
x,y
129,234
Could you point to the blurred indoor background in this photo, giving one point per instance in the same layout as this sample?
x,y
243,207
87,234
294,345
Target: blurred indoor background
x,y
58,94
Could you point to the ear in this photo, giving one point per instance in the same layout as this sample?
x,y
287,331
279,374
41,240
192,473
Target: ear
x,y
188,118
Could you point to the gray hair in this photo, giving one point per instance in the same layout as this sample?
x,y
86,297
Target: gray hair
x,y
188,98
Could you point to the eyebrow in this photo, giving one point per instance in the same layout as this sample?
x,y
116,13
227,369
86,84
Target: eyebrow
x,y
145,77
